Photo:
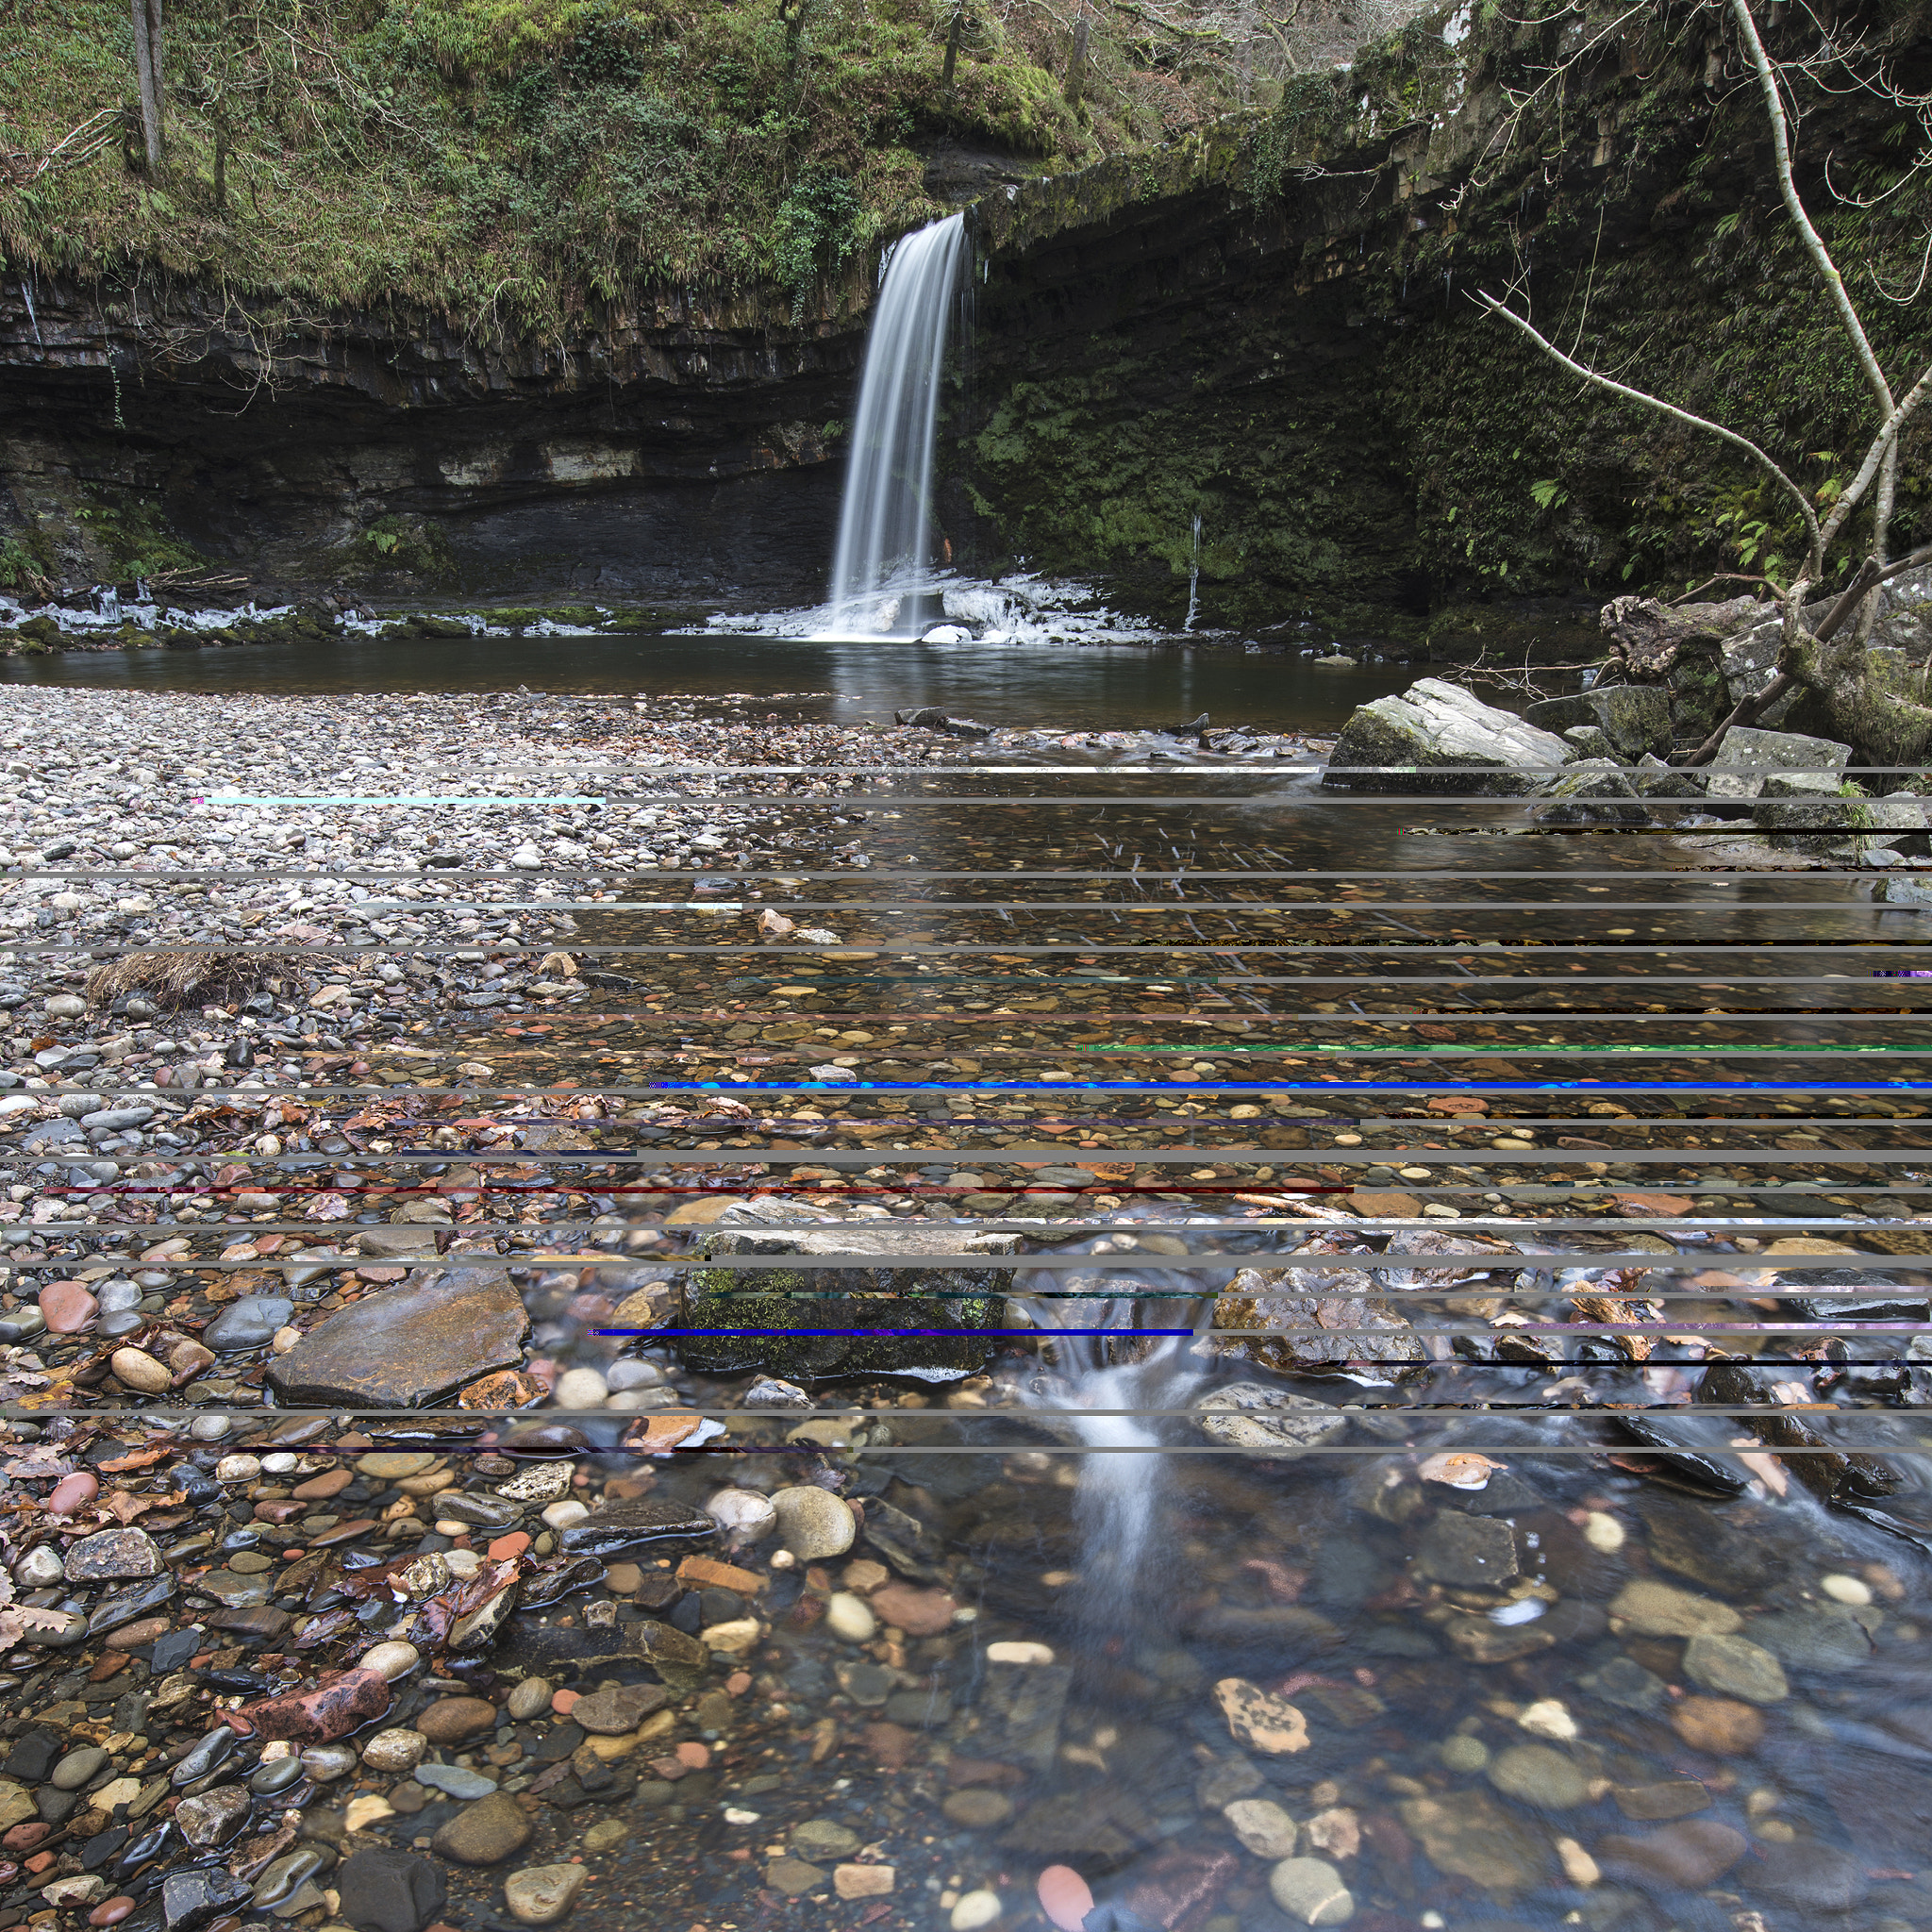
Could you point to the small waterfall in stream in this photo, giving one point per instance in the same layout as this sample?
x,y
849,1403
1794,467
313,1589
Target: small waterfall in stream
x,y
881,568
1122,1563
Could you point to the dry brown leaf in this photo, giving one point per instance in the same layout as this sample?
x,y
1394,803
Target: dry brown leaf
x,y
1461,1469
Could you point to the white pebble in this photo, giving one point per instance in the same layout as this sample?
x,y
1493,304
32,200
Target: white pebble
x,y
975,1909
850,1617
1846,1590
1547,1718
1018,1654
464,1563
561,1515
580,1388
390,1660
238,1468
1602,1532
279,1463
743,1514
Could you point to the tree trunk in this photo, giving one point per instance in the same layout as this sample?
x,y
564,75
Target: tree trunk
x,y
147,64
953,36
1077,65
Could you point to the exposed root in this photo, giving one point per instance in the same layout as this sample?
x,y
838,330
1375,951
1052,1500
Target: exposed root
x,y
191,975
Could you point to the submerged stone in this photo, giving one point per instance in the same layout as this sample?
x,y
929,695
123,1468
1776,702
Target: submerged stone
x,y
406,1345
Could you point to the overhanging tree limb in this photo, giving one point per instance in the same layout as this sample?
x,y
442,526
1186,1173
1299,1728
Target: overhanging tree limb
x,y
1658,403
1788,187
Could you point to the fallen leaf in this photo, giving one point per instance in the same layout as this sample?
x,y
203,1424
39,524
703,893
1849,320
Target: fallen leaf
x,y
1462,1470
1769,1467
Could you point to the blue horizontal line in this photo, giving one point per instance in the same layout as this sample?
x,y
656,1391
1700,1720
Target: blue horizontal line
x,y
892,1331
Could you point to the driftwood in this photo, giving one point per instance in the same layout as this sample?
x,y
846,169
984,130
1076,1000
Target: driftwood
x,y
1647,638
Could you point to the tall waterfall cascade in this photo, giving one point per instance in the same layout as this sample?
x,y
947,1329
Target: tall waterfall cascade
x,y
882,567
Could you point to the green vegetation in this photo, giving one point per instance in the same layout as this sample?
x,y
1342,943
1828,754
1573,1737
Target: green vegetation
x,y
524,163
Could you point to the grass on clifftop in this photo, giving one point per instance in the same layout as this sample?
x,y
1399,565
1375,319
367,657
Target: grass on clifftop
x,y
518,163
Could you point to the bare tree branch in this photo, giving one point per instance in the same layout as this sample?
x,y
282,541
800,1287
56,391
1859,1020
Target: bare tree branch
x,y
1658,403
1788,187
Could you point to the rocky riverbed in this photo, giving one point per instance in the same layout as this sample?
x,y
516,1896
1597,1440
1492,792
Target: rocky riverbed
x,y
385,1553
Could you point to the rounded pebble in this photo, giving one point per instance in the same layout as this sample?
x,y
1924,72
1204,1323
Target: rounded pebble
x,y
850,1617
1065,1897
134,1368
529,1698
1535,1774
541,1894
580,1388
813,1524
1846,1590
975,1909
744,1515
72,1492
1311,1890
391,1659
66,1306
394,1750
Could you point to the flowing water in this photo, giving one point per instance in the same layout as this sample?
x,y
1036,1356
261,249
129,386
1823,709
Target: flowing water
x,y
1379,1528
881,569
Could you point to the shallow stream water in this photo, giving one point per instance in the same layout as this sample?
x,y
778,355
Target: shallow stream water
x,y
1494,1613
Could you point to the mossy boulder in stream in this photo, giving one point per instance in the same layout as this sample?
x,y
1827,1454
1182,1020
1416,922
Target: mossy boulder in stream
x,y
893,1283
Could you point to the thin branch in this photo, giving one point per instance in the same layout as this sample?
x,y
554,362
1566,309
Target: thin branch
x,y
1874,456
1651,402
1788,187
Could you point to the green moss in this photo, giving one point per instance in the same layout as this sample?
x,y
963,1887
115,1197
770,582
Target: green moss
x,y
521,163
839,1299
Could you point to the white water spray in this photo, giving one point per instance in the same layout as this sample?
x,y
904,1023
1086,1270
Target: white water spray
x,y
1195,580
1118,1499
881,568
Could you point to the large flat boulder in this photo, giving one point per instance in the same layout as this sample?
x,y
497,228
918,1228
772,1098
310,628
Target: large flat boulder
x,y
1414,742
1746,758
407,1344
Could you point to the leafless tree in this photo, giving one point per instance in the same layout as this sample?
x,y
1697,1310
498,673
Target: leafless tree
x,y
1868,705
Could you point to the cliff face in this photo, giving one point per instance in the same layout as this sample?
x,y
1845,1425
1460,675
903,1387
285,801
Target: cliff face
x,y
1272,332
676,451
1266,326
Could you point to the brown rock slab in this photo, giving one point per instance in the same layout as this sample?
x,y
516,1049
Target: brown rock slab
x,y
788,1877
707,1573
1373,1204
453,1719
1719,1726
337,1705
1471,1836
619,1709
977,1808
406,1345
917,1612
1689,1856
330,1482
486,1833
1676,1797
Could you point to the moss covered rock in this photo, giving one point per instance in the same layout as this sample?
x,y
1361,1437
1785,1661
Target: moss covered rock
x,y
898,1280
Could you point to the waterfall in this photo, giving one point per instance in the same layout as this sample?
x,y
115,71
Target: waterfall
x,y
880,570
1195,580
1124,1585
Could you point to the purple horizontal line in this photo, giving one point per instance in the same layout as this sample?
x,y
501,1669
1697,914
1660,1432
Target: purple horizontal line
x,y
891,1331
